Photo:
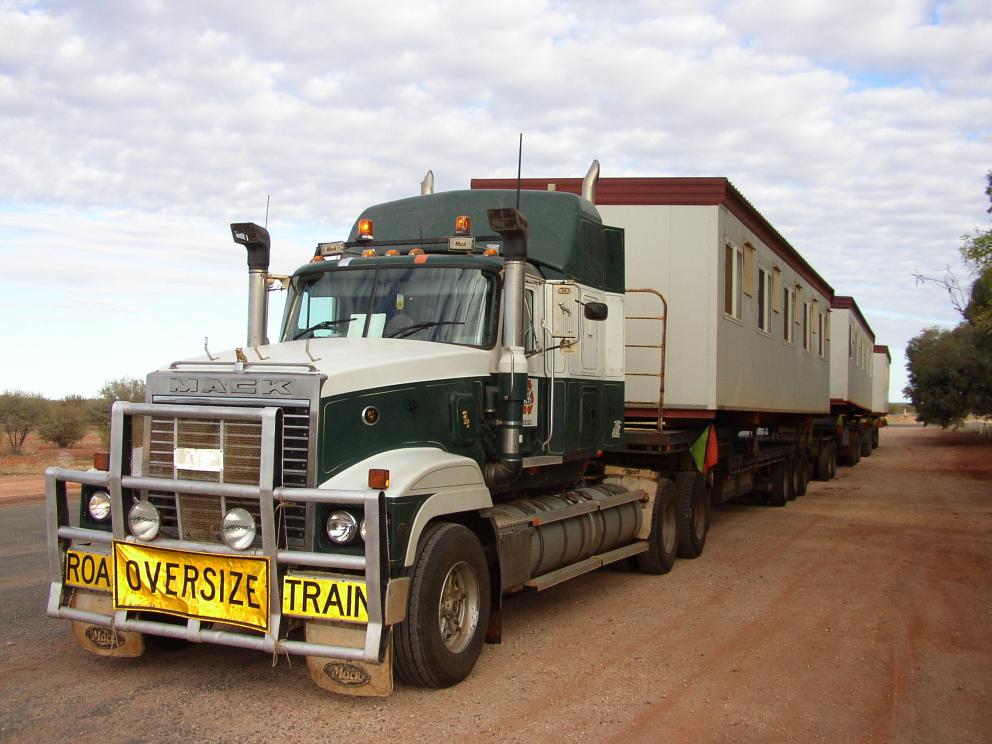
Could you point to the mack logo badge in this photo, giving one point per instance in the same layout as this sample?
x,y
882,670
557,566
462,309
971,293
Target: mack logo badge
x,y
105,638
214,385
347,674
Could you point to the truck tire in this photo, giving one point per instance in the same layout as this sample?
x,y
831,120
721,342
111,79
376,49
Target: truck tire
x,y
448,611
874,438
777,497
823,463
833,460
865,444
663,542
792,466
804,473
694,509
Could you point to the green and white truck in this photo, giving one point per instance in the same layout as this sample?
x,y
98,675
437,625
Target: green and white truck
x,y
445,419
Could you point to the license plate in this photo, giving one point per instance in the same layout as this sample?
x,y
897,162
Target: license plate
x,y
207,586
325,598
87,570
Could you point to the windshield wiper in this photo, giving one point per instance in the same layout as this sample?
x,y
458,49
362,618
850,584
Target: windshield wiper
x,y
320,326
411,329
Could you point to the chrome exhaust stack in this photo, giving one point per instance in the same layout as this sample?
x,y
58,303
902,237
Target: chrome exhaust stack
x,y
512,225
427,185
589,183
255,238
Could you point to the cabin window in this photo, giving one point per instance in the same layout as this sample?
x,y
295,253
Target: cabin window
x,y
850,343
776,289
750,258
733,267
764,301
821,336
806,326
789,315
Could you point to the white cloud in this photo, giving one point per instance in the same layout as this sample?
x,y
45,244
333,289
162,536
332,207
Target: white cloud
x,y
860,130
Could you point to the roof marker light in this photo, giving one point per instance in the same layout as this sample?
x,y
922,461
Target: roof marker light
x,y
491,252
416,252
463,225
392,252
365,229
368,252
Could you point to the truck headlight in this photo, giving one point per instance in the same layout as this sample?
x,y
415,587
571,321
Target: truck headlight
x,y
99,505
144,520
238,529
341,527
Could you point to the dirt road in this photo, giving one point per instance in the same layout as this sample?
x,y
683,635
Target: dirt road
x,y
861,612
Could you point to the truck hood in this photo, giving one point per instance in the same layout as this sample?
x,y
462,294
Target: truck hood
x,y
353,364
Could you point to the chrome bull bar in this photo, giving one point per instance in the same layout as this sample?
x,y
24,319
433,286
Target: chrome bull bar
x,y
116,480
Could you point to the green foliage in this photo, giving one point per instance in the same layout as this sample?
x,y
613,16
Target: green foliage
x,y
950,374
977,248
65,422
124,388
20,414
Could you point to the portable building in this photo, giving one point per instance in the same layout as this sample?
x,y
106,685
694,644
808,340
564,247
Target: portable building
x,y
881,361
747,328
851,376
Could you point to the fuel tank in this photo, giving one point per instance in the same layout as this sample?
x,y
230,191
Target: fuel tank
x,y
540,534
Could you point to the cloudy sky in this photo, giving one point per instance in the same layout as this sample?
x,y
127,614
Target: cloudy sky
x,y
132,133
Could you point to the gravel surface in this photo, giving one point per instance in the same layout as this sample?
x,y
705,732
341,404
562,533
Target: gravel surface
x,y
860,612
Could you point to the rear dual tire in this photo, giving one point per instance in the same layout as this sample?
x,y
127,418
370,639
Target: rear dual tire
x,y
663,542
693,513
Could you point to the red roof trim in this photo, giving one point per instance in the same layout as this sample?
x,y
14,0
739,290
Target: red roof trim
x,y
677,191
880,349
843,302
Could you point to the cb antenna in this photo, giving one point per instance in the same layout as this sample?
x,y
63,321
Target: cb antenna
x,y
520,157
267,211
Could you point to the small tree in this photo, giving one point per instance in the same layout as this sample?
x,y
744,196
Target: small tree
x,y
65,422
20,414
125,388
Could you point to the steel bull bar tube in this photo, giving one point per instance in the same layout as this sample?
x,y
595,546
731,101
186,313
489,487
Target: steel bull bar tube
x,y
372,563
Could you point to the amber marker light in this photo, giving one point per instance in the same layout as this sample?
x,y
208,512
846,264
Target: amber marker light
x,y
101,461
368,253
416,252
491,252
365,229
392,252
463,225
378,479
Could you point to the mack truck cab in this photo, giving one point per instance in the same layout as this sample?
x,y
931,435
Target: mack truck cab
x,y
429,433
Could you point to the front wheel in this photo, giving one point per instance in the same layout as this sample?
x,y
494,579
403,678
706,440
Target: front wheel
x,y
440,640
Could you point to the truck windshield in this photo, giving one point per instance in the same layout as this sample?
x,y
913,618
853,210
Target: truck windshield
x,y
447,305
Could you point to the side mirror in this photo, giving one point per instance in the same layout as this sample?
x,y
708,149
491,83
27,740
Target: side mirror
x,y
595,310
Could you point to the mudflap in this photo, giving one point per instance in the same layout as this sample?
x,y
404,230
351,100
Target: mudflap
x,y
357,678
98,639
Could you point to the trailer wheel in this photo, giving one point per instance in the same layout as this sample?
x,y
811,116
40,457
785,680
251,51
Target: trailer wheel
x,y
806,466
777,497
663,541
792,466
833,460
440,640
865,445
823,463
693,513
874,438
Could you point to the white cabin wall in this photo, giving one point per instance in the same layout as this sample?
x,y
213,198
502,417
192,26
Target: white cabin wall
x,y
760,371
880,383
851,375
670,249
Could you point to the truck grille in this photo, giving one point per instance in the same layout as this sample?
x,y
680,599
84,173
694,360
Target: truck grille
x,y
196,517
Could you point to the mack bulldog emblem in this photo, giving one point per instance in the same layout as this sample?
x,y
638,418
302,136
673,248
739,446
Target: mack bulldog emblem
x,y
217,385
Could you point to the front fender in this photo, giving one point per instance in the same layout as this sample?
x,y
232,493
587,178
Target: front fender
x,y
451,484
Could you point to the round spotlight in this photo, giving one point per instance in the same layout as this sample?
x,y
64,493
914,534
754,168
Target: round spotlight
x,y
341,527
99,505
361,530
144,520
238,529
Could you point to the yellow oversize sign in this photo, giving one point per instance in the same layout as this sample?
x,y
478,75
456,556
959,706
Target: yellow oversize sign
x,y
325,598
230,589
87,570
